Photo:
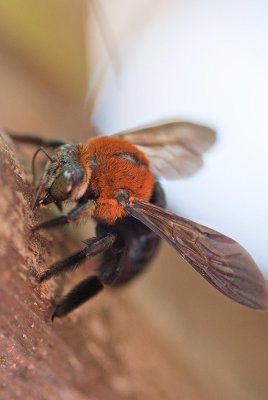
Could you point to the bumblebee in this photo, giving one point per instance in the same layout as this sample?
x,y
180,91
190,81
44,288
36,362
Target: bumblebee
x,y
114,181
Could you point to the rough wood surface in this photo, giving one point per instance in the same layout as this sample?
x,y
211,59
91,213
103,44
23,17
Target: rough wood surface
x,y
105,350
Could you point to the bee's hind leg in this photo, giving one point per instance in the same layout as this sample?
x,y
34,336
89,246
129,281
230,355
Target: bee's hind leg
x,y
93,247
107,273
77,296
88,287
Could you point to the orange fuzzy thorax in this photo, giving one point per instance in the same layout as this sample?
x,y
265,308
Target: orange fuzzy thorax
x,y
115,165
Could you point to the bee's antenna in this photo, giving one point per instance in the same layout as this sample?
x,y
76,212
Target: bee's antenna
x,y
34,158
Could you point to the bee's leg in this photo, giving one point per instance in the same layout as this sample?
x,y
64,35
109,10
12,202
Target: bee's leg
x,y
77,296
106,275
111,264
77,214
35,140
93,247
52,223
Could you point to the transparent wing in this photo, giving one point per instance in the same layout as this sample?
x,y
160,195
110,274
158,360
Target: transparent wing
x,y
174,149
223,262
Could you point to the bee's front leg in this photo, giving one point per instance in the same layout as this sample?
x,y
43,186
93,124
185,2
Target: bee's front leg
x,y
77,214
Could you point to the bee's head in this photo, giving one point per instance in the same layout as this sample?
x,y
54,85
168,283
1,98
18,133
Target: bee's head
x,y
64,177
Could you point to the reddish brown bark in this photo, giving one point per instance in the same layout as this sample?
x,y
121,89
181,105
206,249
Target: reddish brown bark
x,y
105,350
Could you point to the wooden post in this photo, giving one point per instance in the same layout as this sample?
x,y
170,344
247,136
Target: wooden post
x,y
104,350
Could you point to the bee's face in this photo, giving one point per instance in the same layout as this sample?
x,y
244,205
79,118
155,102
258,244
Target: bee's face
x,y
64,177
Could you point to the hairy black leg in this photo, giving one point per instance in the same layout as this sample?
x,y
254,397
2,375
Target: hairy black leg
x,y
81,211
108,272
112,259
110,267
93,247
77,296
35,140
52,223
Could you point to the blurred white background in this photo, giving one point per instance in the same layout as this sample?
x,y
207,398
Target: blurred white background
x,y
201,60
207,62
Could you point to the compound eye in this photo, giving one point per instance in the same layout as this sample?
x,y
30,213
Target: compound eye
x,y
62,186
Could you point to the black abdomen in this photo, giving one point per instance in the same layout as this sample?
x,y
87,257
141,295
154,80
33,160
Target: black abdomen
x,y
135,245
